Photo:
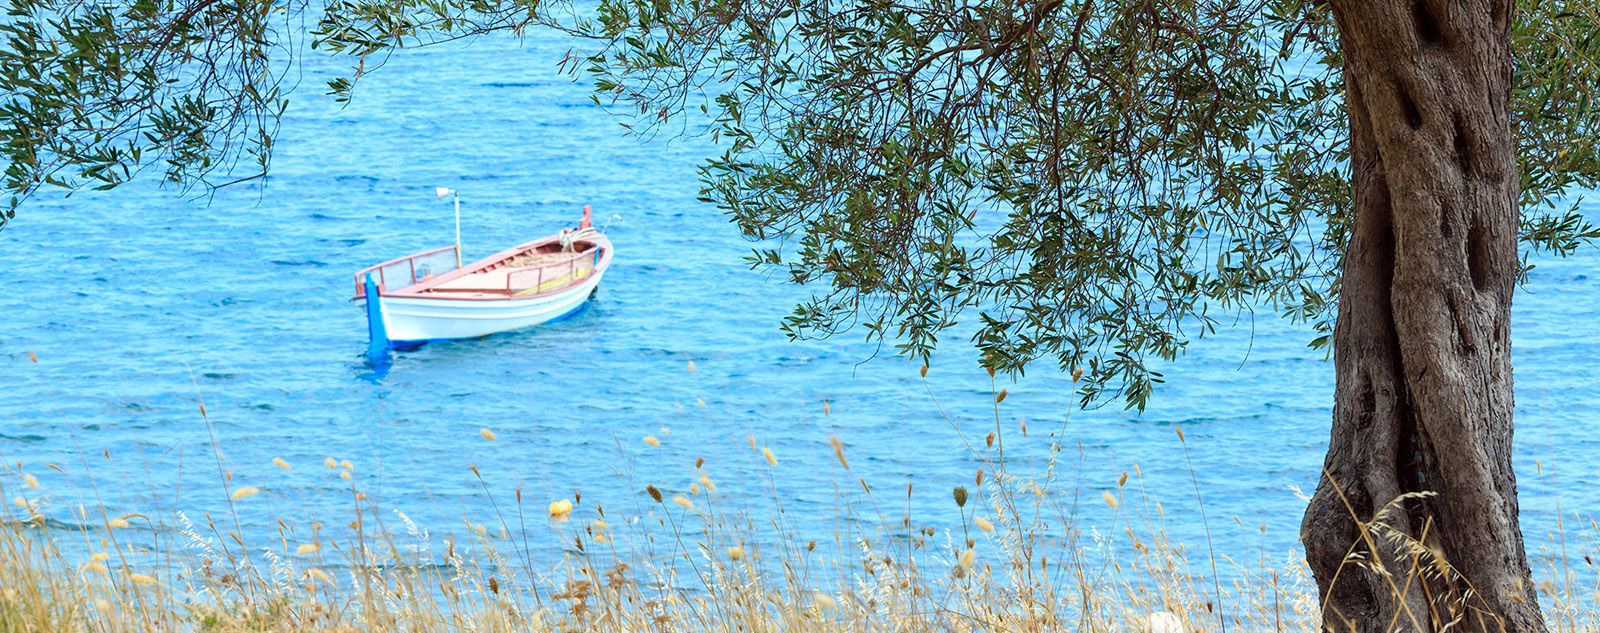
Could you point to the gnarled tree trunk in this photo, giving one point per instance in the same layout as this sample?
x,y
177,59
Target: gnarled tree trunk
x,y
1414,524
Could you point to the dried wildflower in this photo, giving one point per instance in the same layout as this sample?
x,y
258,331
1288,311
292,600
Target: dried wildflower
x,y
924,371
1077,373
488,434
118,523
710,487
961,496
1110,499
1000,397
654,492
308,548
838,451
30,481
345,475
345,464
651,440
278,461
247,491
767,453
559,509
683,501
699,461
99,557
328,461
320,575
825,601
141,579
964,561
735,553
983,524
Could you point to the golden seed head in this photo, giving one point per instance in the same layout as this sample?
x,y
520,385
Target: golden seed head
x,y
1077,373
488,434
99,557
735,553
559,509
651,440
30,481
307,548
964,561
655,493
772,460
699,462
961,496
345,464
328,461
141,579
924,371
1110,499
247,491
683,501
838,451
1000,397
345,475
710,487
278,461
320,575
983,524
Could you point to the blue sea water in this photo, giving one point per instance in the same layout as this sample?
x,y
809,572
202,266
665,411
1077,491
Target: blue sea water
x,y
142,303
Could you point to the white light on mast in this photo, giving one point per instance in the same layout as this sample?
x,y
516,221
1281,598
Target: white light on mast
x,y
440,193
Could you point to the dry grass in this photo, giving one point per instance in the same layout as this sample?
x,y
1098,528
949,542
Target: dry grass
x,y
684,561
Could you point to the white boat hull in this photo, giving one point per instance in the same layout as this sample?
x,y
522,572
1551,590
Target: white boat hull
x,y
409,320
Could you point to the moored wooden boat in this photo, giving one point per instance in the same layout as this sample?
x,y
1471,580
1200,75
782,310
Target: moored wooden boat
x,y
427,296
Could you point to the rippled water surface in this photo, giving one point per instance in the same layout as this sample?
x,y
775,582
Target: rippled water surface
x,y
141,303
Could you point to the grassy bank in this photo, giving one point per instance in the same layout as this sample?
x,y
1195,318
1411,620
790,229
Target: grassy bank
x,y
682,556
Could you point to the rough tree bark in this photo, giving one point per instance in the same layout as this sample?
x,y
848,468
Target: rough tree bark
x,y
1414,524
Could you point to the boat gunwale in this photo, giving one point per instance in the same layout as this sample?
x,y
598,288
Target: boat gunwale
x,y
424,289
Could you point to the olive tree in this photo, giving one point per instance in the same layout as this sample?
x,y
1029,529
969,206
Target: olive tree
x,y
1097,183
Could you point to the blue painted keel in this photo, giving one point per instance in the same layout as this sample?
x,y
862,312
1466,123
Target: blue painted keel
x,y
377,335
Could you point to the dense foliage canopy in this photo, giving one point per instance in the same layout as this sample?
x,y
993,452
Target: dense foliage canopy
x,y
1098,182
